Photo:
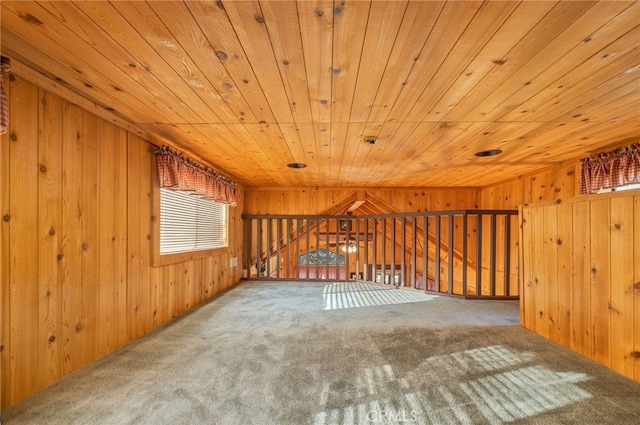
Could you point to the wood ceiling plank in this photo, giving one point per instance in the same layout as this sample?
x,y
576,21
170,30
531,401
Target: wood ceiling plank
x,y
309,144
382,29
316,31
570,96
451,23
281,19
99,54
416,26
228,158
340,143
348,34
291,135
69,69
250,28
490,17
198,141
216,26
391,134
591,61
119,32
322,132
246,150
489,63
189,40
606,106
259,144
355,151
546,44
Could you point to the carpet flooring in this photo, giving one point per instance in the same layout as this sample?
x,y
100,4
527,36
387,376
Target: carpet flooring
x,y
338,353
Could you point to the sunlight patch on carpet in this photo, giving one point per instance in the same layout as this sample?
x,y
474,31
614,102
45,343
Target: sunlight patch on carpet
x,y
494,384
340,295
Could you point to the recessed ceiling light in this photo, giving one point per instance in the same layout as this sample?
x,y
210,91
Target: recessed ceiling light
x,y
297,165
490,152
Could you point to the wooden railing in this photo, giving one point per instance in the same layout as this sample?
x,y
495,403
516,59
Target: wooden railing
x,y
469,253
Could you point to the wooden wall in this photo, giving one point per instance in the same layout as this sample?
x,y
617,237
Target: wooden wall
x,y
77,281
310,200
580,276
560,182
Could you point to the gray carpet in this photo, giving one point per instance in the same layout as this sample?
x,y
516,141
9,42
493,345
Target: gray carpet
x,y
315,353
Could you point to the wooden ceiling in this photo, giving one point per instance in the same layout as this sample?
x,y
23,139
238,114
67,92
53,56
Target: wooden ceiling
x,y
249,86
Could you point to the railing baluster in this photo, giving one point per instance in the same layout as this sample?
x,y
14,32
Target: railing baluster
x,y
479,255
358,251
450,255
374,262
247,263
437,257
425,253
278,241
492,256
259,248
268,248
365,257
392,279
414,229
465,253
317,248
507,255
298,236
403,250
384,249
326,246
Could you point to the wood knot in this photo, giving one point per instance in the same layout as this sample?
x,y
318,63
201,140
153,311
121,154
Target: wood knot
x,y
636,285
558,201
635,354
43,169
52,231
221,55
559,241
84,246
259,19
52,338
594,270
6,217
13,137
617,226
60,257
78,327
1,348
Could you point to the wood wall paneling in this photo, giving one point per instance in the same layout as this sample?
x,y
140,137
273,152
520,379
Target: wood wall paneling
x,y
23,242
77,279
588,286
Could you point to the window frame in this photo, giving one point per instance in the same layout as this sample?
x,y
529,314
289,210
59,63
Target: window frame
x,y
159,260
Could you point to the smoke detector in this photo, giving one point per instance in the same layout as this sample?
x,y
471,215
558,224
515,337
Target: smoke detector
x,y
369,140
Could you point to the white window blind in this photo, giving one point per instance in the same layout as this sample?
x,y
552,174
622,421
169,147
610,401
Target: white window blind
x,y
190,223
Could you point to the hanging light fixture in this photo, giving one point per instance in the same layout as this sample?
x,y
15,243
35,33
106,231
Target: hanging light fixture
x,y
349,246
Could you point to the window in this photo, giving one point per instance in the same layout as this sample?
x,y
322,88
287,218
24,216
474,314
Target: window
x,y
190,223
621,188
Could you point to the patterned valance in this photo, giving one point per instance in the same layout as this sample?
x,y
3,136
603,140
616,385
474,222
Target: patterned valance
x,y
321,256
180,173
610,169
